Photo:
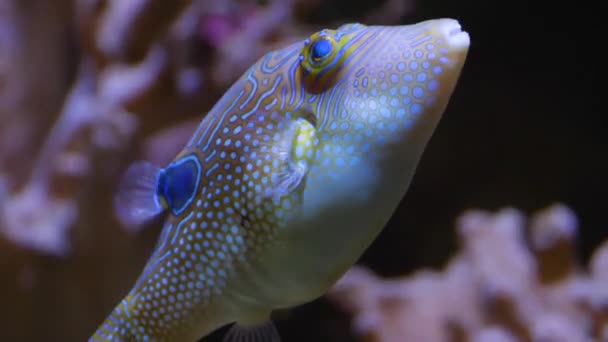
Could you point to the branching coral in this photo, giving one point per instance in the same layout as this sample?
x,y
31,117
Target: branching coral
x,y
38,214
501,286
139,67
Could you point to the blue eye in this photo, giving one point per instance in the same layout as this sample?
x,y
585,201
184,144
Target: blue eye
x,y
320,53
320,49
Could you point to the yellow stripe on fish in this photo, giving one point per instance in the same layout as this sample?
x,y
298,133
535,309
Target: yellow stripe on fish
x,y
286,181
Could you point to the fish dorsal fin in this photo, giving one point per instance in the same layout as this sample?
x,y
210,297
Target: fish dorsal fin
x,y
136,200
262,332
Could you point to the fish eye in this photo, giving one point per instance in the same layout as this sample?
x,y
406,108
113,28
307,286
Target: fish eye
x,y
320,50
321,60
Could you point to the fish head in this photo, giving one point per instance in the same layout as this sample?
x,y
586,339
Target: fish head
x,y
383,84
377,94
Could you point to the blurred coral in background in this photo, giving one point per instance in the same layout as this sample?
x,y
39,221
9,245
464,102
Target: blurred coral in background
x,y
135,67
88,86
511,281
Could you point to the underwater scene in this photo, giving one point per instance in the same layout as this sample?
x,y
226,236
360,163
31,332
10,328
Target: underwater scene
x,y
302,170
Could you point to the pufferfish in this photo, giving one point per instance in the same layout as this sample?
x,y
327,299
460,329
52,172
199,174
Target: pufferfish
x,y
287,180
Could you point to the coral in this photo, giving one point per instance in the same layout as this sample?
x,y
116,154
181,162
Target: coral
x,y
138,67
511,280
86,87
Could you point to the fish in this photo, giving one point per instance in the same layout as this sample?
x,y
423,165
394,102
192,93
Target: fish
x,y
286,181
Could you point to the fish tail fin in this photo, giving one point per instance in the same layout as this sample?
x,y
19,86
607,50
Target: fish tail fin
x,y
137,200
260,332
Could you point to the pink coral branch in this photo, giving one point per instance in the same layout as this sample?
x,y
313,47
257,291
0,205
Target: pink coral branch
x,y
490,290
93,118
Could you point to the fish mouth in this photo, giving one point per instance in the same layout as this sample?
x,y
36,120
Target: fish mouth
x,y
453,34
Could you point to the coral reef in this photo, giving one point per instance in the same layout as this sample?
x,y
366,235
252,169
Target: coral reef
x,y
86,87
136,67
511,280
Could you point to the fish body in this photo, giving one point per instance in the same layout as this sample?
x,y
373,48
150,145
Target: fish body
x,y
286,181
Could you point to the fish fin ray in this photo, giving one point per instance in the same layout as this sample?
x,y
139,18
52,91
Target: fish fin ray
x,y
294,152
136,201
263,332
287,180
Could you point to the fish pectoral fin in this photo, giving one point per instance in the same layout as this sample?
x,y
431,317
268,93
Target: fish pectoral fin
x,y
294,153
261,332
287,180
136,200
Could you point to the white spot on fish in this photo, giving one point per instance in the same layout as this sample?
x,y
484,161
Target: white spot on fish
x,y
372,105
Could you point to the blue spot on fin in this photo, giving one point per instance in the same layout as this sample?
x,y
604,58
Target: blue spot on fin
x,y
136,201
178,183
263,332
